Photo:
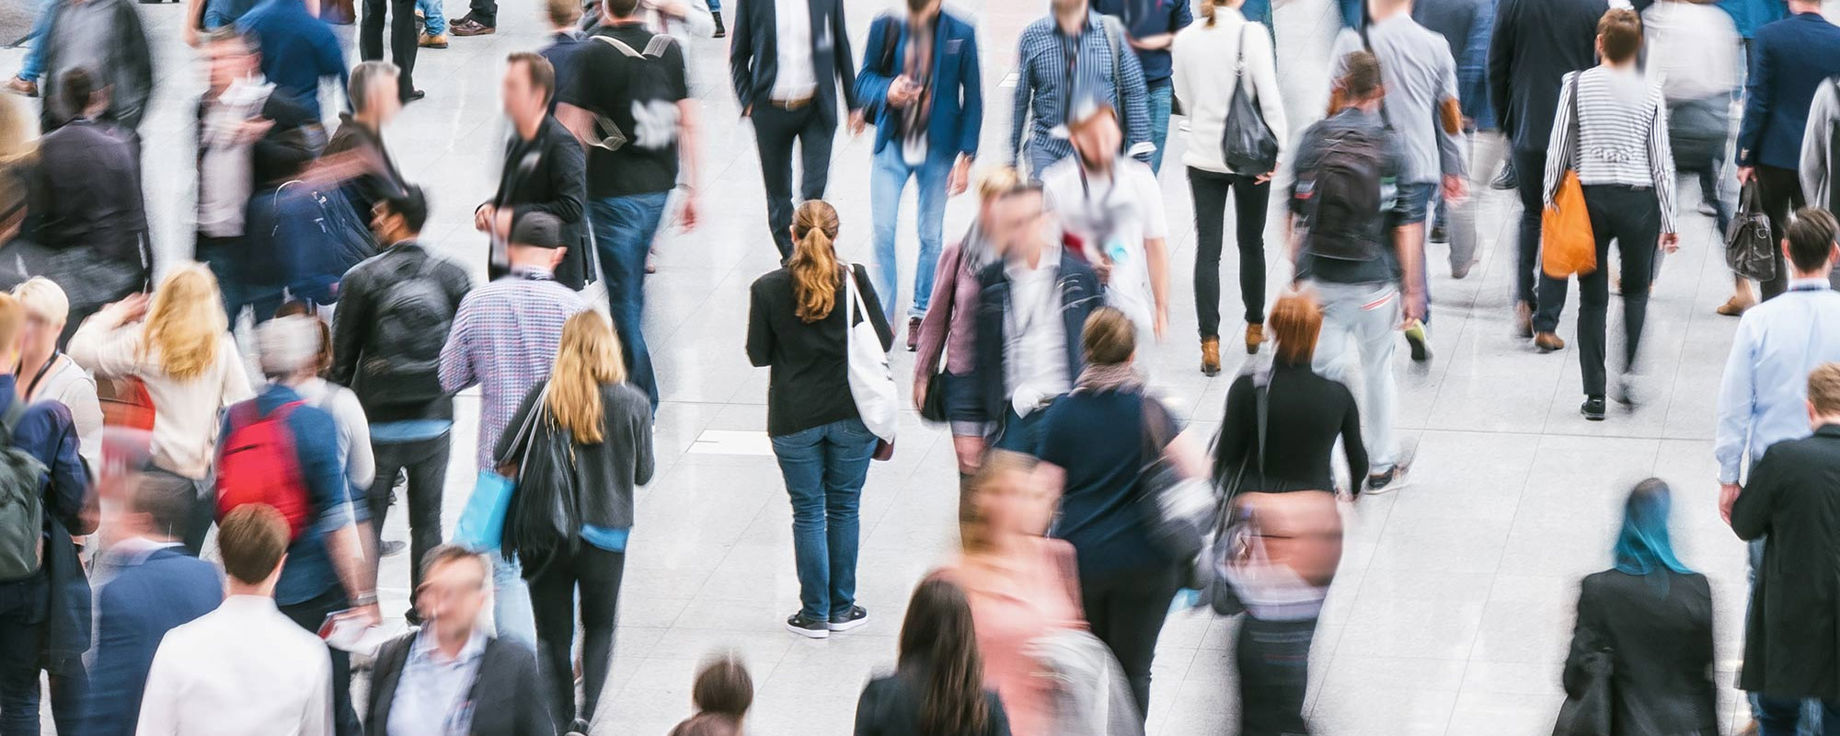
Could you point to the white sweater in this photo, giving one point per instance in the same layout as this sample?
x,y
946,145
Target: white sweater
x,y
1204,62
185,422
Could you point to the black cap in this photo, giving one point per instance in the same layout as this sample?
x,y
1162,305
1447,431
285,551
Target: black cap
x,y
537,230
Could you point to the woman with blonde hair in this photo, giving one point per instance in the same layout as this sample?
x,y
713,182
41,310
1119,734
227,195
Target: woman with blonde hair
x,y
798,324
178,344
46,373
605,425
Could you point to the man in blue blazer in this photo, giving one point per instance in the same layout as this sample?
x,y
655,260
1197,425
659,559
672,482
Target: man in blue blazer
x,y
154,587
920,83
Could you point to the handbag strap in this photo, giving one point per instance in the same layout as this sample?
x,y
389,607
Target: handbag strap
x,y
1576,145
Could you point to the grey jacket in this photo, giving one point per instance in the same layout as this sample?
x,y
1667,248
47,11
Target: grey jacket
x,y
607,473
129,77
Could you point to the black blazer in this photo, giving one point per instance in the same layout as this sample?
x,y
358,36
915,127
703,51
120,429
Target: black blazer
x,y
550,176
1658,629
1791,647
753,54
87,191
1080,294
507,699
1536,43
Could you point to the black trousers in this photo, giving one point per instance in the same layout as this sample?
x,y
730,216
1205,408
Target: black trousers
x,y
1632,218
484,11
1126,609
403,39
426,463
775,130
1249,204
1530,178
1779,191
1274,671
309,614
595,573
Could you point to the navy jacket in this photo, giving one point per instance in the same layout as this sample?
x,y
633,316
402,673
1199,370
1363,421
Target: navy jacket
x,y
958,93
1080,295
47,433
561,55
1789,60
1146,18
308,570
753,55
148,597
1536,43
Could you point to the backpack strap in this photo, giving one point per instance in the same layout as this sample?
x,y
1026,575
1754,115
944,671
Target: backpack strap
x,y
9,420
618,44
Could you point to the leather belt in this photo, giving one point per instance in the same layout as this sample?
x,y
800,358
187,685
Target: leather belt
x,y
798,103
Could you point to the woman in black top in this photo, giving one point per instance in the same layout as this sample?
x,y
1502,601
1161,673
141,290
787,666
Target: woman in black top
x,y
1305,413
798,325
938,684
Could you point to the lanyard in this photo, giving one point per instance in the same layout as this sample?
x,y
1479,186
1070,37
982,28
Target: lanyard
x,y
32,385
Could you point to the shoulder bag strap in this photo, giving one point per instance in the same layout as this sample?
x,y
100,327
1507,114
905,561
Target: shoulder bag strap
x,y
1112,31
9,420
1264,403
1576,145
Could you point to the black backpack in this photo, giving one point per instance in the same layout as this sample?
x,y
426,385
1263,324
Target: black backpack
x,y
402,362
1343,210
654,107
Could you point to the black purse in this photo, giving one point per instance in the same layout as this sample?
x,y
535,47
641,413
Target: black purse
x,y
544,518
1247,144
933,409
1749,250
1588,712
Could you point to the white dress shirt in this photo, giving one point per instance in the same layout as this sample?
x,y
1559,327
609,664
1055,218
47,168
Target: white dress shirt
x,y
797,78
239,670
1034,333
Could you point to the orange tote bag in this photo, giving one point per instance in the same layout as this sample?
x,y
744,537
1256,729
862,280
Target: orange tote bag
x,y
1567,245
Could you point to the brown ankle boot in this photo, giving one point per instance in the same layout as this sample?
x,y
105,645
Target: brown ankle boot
x,y
1255,334
1210,356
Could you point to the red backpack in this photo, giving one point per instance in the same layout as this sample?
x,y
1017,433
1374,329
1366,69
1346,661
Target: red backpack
x,y
258,464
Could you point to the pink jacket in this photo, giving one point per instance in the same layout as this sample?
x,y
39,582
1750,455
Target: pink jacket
x,y
1013,602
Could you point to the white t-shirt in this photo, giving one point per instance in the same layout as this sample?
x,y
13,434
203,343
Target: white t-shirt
x,y
1113,216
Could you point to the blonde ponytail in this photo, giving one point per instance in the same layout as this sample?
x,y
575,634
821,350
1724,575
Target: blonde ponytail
x,y
814,260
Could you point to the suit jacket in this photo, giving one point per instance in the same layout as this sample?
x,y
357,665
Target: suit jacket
x,y
956,86
1658,630
1079,290
549,176
1789,60
147,597
753,54
1535,44
1791,645
87,191
508,697
130,78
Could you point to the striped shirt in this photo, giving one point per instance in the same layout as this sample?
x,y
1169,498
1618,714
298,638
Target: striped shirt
x,y
1049,80
1622,136
504,340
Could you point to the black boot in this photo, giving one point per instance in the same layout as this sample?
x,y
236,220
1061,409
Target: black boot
x,y
721,30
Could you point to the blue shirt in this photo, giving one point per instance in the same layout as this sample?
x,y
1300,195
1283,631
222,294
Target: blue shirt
x,y
1146,18
1050,82
1749,15
308,571
431,694
297,49
1763,396
410,430
611,540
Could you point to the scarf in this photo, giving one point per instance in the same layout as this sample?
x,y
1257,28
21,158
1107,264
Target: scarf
x,y
1115,377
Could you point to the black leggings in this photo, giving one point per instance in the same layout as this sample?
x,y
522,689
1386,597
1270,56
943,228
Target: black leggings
x,y
596,573
1125,609
1249,204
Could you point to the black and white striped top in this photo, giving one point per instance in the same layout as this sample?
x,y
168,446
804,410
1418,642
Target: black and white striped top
x,y
1622,136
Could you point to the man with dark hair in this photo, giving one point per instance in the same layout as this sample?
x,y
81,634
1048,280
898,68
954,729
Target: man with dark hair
x,y
104,37
403,41
300,48
545,170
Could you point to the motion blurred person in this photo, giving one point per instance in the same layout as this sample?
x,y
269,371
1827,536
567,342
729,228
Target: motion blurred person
x,y
1652,618
1151,27
359,139
105,38
799,320
49,375
1692,52
938,683
356,458
565,39
1282,421
301,50
1048,79
545,170
1466,25
403,41
723,691
1818,164
1290,544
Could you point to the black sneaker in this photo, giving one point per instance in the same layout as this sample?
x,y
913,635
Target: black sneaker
x,y
578,728
809,628
1592,408
392,548
856,617
1439,234
1506,180
721,30
1392,480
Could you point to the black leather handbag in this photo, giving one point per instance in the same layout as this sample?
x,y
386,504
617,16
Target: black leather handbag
x,y
1246,142
1749,250
1587,713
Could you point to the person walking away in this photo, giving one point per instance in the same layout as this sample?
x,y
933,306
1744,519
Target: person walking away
x,y
1535,44
451,673
722,694
545,170
1291,448
938,684
799,322
1151,27
403,42
606,424
789,65
45,597
245,667
629,184
106,39
504,339
49,374
1692,51
1226,40
152,588
1649,619
1126,582
359,139
565,39
356,459
395,310
1818,150
301,51
1790,60
1355,257
179,346
1095,48
920,82
1612,129
1466,25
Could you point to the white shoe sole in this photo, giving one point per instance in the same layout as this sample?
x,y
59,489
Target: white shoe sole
x,y
847,625
809,633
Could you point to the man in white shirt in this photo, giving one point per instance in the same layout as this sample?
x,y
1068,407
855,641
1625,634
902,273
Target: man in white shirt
x,y
244,668
1113,205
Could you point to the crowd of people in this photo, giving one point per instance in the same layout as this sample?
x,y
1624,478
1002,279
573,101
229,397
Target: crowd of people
x,y
188,546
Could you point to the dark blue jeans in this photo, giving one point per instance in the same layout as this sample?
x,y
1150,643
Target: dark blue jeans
x,y
1795,717
824,468
23,622
623,230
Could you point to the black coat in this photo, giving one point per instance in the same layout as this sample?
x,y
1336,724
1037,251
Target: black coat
x,y
1078,287
87,191
753,55
1658,629
507,698
1536,43
549,175
890,706
1791,646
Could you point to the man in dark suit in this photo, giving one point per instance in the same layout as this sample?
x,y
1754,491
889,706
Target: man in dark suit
x,y
1792,636
1535,44
403,41
545,171
153,586
788,60
417,676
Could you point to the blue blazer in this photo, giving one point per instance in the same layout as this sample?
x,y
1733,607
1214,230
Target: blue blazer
x,y
958,96
1789,60
133,612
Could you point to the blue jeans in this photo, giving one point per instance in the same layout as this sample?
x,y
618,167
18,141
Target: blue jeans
x,y
511,613
1161,92
434,16
715,6
1793,717
885,185
1419,198
623,229
34,65
824,468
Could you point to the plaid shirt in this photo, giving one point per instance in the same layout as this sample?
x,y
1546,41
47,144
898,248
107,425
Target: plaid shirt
x,y
504,339
1049,80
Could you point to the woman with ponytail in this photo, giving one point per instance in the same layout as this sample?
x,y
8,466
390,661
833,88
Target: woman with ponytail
x,y
938,684
606,424
798,325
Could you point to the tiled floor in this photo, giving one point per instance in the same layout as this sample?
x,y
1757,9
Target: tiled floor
x,y
1453,607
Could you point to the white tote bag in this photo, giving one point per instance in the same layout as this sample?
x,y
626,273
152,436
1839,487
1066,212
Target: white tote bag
x,y
871,382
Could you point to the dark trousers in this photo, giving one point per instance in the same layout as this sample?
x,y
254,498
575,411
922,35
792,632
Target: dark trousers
x,y
1530,178
595,573
775,129
1274,670
24,606
1126,609
1632,218
1779,191
403,39
426,464
228,259
1249,203
484,11
309,614
1782,716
